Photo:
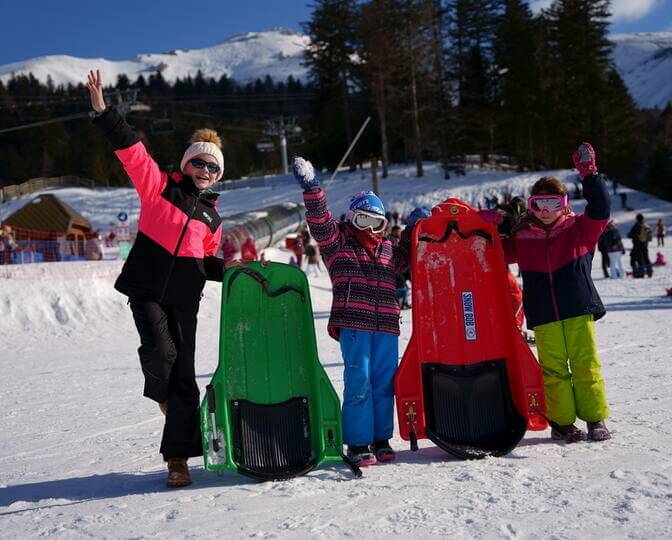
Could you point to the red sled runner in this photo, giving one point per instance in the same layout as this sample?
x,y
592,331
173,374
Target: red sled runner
x,y
468,380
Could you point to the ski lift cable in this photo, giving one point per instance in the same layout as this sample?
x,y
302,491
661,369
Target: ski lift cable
x,y
204,115
45,122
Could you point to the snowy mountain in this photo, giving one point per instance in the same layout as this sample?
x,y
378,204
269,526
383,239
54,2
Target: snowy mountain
x,y
644,60
244,57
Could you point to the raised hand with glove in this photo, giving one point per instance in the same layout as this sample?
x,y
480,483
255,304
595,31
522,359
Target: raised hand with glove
x,y
584,160
304,173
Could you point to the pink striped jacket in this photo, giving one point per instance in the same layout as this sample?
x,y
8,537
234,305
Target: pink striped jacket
x,y
363,285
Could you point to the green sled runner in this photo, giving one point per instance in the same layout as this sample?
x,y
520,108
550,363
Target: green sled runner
x,y
270,411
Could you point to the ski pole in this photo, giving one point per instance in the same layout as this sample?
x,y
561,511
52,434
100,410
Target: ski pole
x,y
347,152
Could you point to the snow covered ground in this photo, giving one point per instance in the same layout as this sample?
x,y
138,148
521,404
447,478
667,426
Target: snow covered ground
x,y
79,445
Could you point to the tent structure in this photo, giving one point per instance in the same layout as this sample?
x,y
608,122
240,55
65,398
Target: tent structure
x,y
48,214
47,229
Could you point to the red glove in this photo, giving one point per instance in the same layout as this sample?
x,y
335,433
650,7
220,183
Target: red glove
x,y
584,160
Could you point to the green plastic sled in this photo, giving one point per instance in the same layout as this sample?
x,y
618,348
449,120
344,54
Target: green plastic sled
x,y
276,413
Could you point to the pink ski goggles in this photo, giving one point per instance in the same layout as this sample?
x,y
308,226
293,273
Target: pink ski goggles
x,y
547,203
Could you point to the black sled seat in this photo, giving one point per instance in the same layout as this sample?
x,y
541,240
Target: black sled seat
x,y
272,442
469,409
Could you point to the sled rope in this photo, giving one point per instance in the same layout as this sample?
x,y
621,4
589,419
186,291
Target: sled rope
x,y
264,284
454,227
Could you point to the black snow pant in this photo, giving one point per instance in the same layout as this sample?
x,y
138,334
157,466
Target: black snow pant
x,y
605,263
639,259
167,348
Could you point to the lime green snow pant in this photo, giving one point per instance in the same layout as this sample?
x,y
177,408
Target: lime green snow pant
x,y
569,361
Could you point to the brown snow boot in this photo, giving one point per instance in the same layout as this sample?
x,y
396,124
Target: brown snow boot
x,y
597,431
569,434
164,407
178,473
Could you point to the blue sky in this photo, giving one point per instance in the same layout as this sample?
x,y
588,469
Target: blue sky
x,y
120,29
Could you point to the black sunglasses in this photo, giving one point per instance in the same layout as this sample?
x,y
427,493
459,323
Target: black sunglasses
x,y
200,163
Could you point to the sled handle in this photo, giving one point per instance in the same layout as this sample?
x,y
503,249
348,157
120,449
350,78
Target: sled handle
x,y
351,464
264,284
414,440
210,394
453,226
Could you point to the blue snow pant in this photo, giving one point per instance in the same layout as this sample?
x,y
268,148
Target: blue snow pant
x,y
370,360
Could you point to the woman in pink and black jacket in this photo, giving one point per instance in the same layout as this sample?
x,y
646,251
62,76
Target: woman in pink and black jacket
x,y
364,312
173,254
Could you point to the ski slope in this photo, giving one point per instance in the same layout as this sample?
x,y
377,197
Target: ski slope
x,y
644,60
79,444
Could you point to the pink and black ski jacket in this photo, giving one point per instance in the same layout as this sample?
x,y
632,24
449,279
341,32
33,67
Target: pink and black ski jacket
x,y
363,285
556,263
179,229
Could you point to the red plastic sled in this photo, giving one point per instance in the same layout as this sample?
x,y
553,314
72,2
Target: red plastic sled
x,y
468,380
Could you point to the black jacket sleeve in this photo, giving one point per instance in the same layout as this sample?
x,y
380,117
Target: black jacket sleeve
x,y
214,268
114,126
596,193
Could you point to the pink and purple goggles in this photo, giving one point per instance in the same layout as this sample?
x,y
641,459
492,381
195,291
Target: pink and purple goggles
x,y
548,203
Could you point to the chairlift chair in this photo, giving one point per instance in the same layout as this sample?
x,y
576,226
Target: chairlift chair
x,y
162,126
266,145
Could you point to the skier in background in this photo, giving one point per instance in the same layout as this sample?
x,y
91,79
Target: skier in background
x,y
402,279
641,235
312,260
554,249
614,245
248,251
364,313
603,248
229,249
298,249
660,233
166,269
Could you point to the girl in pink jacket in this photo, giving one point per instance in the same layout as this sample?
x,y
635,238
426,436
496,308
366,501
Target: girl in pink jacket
x,y
173,254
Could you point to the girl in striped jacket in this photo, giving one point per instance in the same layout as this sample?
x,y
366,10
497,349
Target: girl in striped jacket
x,y
364,314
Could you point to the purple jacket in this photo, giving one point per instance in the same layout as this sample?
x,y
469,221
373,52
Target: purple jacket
x,y
363,286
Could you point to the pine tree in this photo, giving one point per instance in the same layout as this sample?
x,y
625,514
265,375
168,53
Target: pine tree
x,y
518,77
579,56
329,57
378,52
472,34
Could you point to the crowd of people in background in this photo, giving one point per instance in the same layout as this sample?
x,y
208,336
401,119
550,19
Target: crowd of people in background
x,y
7,244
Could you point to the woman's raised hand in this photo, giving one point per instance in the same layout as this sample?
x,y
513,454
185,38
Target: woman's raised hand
x,y
95,85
